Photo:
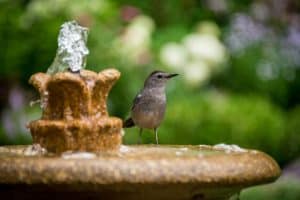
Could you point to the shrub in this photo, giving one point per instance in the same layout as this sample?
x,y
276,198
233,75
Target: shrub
x,y
286,188
291,143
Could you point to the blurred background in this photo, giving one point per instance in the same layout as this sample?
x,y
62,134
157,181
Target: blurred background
x,y
239,66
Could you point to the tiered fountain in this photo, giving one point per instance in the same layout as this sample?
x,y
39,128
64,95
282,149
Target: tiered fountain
x,y
77,151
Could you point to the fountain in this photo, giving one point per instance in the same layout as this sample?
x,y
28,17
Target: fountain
x,y
74,112
74,115
77,150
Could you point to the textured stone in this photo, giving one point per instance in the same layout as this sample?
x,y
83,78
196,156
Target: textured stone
x,y
74,114
140,172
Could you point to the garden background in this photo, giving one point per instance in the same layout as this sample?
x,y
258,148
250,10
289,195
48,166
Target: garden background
x,y
239,66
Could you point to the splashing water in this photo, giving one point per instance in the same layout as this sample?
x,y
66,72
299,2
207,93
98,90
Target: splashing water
x,y
72,50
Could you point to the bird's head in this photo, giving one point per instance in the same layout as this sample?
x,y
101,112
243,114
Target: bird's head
x,y
158,79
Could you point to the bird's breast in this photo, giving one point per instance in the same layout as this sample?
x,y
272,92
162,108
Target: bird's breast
x,y
149,112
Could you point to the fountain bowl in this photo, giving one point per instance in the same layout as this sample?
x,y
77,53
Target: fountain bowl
x,y
134,172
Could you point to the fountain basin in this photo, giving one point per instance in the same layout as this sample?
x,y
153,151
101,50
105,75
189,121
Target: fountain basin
x,y
135,172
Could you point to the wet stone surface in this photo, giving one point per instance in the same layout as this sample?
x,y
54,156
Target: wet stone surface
x,y
75,113
136,172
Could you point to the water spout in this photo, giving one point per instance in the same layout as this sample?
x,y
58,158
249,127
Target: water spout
x,y
72,50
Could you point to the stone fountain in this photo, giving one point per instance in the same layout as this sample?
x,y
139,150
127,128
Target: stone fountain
x,y
77,151
74,112
74,115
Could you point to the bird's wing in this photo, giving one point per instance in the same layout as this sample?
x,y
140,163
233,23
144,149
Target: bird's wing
x,y
136,100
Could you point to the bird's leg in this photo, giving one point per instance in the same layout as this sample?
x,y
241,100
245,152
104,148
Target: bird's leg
x,y
156,135
140,136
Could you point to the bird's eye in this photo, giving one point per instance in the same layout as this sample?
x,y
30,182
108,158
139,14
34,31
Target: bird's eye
x,y
159,76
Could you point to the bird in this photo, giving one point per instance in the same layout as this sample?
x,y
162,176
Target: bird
x,y
149,105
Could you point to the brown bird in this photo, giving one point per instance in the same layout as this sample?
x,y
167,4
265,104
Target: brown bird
x,y
149,105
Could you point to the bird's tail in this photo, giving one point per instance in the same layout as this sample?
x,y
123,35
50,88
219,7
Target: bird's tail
x,y
128,123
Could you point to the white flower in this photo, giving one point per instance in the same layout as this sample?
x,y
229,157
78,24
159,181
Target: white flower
x,y
136,40
197,56
173,55
196,73
208,27
138,33
205,47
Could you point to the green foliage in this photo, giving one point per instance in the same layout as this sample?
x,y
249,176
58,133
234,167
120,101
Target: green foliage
x,y
291,143
169,34
286,188
244,68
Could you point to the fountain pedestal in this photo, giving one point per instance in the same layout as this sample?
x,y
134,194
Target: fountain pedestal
x,y
135,172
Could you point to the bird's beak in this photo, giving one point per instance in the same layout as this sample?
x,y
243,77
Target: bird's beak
x,y
171,75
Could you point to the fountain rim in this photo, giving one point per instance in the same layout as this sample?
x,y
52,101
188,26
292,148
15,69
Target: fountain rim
x,y
254,167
